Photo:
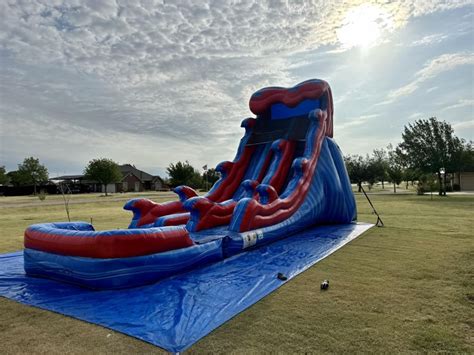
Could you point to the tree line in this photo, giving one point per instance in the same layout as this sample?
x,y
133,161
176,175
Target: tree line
x,y
183,173
429,151
106,171
32,173
29,173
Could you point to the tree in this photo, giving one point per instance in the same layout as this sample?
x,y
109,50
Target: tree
x,y
429,145
395,174
380,165
411,175
104,171
467,157
357,169
4,179
426,182
31,172
372,172
14,178
210,176
463,159
184,174
394,167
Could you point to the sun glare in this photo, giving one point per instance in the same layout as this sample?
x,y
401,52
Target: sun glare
x,y
363,26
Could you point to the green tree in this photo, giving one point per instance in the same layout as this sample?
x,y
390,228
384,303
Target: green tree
x,y
31,172
357,168
4,179
380,165
426,182
104,171
373,171
395,175
14,178
429,145
184,174
210,176
463,159
410,175
394,167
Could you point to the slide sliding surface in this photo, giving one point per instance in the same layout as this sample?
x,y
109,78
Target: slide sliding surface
x,y
270,166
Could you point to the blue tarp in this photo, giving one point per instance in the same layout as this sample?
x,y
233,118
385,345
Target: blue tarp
x,y
177,312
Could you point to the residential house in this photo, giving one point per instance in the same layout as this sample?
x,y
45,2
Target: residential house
x,y
133,180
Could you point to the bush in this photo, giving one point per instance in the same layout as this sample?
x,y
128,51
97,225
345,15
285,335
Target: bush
x,y
42,195
427,183
420,188
456,187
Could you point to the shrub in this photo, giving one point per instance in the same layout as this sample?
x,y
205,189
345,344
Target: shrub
x,y
427,183
42,195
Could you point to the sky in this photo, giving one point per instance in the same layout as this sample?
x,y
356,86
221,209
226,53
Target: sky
x,y
154,82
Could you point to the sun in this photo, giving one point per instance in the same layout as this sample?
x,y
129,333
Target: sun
x,y
363,26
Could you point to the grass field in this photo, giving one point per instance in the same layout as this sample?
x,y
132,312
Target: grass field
x,y
407,287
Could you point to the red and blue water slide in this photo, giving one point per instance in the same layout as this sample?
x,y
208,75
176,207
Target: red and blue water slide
x,y
288,175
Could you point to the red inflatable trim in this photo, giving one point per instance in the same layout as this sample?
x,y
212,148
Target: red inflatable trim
x,y
177,220
107,246
234,174
150,211
262,100
279,178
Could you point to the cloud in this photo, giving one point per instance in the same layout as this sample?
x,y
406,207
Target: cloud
x,y
415,115
464,125
459,104
80,79
464,128
430,39
355,121
431,69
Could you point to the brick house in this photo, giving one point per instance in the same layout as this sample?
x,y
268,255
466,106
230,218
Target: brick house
x,y
137,180
133,180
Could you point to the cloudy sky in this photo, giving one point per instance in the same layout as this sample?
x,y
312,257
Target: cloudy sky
x,y
153,82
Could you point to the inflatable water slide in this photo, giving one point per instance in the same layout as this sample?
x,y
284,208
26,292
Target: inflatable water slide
x,y
288,175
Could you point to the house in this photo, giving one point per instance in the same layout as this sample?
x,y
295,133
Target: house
x,y
137,180
133,180
465,180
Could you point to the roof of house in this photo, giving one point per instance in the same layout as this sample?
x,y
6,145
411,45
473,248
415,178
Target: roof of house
x,y
68,177
125,169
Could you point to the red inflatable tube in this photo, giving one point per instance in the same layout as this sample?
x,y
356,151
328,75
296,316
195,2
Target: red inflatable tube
x,y
177,220
265,166
262,100
234,174
213,214
150,211
278,179
112,244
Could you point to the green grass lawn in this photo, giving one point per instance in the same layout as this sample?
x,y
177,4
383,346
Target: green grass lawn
x,y
407,287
